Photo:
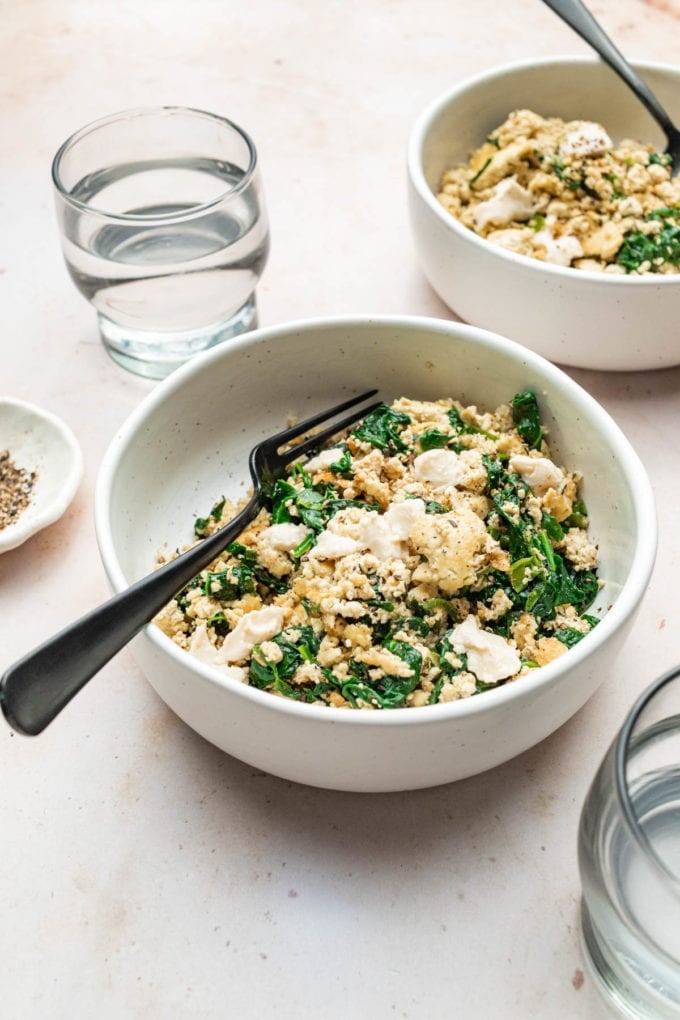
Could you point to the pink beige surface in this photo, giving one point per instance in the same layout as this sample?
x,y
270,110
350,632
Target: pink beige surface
x,y
146,874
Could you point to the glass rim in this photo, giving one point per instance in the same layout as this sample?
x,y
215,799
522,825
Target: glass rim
x,y
145,111
623,742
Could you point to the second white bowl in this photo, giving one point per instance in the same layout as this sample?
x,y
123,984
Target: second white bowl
x,y
572,316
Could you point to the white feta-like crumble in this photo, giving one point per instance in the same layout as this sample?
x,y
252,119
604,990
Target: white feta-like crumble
x,y
510,201
559,251
284,537
323,459
586,139
385,534
396,583
252,629
440,468
539,473
490,657
331,546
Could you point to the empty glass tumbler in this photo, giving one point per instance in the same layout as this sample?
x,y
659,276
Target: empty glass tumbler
x,y
629,858
164,231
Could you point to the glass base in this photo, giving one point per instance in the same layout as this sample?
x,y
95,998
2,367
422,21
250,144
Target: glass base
x,y
155,355
623,997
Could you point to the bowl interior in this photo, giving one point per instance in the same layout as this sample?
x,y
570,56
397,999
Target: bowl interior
x,y
188,444
569,88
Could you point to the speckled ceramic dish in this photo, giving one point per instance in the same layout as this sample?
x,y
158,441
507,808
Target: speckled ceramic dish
x,y
572,316
38,441
187,445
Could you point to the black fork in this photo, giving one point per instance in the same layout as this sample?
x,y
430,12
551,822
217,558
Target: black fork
x,y
36,688
578,17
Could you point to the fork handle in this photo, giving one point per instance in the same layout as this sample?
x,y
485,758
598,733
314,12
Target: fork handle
x,y
35,689
578,17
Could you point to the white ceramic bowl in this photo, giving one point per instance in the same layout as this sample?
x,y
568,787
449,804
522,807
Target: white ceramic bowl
x,y
39,441
187,445
575,317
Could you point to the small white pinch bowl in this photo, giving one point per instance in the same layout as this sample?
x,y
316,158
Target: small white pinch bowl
x,y
39,441
187,445
571,316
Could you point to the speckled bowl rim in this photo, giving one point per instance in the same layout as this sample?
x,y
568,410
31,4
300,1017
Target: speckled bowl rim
x,y
416,174
630,595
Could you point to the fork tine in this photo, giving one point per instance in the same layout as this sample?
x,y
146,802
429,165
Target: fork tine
x,y
319,438
316,419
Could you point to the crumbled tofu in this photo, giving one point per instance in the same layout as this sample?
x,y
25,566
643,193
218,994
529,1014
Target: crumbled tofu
x,y
563,193
384,660
349,608
579,550
547,649
524,632
271,651
462,686
500,604
500,164
452,546
392,585
604,242
307,673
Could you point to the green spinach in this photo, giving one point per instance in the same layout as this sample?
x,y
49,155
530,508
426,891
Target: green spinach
x,y
526,417
381,428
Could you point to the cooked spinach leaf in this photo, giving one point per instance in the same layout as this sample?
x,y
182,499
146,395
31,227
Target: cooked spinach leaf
x,y
298,645
381,428
219,623
248,558
662,158
639,248
462,427
278,498
343,466
201,523
561,585
230,584
475,177
526,417
579,515
314,506
433,439
569,636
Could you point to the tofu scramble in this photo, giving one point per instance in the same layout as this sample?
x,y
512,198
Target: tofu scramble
x,y
434,552
563,193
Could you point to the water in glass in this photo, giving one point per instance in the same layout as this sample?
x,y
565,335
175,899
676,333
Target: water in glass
x,y
631,876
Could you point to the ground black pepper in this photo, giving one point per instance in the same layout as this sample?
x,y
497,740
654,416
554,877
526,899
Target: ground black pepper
x,y
16,486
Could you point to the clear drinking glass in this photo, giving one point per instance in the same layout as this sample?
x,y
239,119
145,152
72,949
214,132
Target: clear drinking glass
x,y
164,231
629,859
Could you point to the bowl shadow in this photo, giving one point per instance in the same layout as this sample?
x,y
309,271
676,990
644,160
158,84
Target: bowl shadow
x,y
341,831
